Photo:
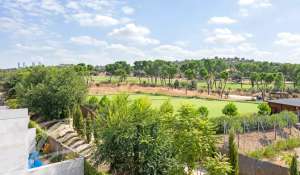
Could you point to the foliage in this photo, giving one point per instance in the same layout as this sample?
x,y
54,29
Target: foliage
x,y
233,154
279,82
50,92
274,149
78,121
251,122
40,132
12,103
294,166
90,170
203,111
167,108
230,110
88,128
93,103
264,109
217,165
134,138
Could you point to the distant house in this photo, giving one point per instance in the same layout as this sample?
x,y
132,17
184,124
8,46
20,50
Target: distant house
x,y
289,104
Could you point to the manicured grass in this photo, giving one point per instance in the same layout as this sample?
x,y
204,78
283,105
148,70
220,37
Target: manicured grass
x,y
214,106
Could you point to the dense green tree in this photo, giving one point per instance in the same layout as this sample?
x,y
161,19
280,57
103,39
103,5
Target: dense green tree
x,y
279,82
203,111
264,109
194,137
223,82
254,77
230,110
51,92
264,83
132,140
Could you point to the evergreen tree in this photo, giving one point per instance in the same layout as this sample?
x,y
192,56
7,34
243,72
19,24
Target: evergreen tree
x,y
78,121
294,166
88,128
233,154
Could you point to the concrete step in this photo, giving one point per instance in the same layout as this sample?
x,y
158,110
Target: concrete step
x,y
67,137
63,133
72,141
83,149
54,127
77,144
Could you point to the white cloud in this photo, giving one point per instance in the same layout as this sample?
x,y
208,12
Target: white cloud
x,y
226,36
181,43
288,39
87,40
134,33
18,27
38,48
172,51
88,19
119,50
255,3
52,5
222,20
128,10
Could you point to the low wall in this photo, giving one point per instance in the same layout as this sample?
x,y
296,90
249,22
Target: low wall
x,y
68,167
251,166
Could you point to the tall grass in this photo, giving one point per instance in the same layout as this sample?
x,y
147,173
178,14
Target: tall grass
x,y
274,149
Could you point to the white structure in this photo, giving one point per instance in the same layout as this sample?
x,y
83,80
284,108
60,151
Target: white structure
x,y
17,141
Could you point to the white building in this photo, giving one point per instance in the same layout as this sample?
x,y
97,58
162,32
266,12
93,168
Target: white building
x,y
17,141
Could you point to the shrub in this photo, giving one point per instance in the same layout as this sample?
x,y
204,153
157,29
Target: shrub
x,y
90,170
12,103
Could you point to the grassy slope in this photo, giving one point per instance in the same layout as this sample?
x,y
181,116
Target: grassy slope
x,y
214,106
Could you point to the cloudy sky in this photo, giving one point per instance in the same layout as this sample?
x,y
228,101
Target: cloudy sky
x,y
103,31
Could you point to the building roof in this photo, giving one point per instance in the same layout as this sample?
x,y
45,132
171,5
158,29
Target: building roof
x,y
287,101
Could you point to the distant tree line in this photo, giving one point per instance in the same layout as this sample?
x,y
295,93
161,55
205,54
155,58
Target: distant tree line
x,y
263,76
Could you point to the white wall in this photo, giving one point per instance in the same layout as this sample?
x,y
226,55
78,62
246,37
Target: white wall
x,y
31,141
14,143
68,167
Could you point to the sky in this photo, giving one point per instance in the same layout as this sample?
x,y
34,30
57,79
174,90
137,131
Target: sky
x,y
99,32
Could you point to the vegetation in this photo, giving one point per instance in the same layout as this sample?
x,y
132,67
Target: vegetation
x,y
138,139
48,91
214,106
294,166
233,154
274,149
230,110
215,74
218,165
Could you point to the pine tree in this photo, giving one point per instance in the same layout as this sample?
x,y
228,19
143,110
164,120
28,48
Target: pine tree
x,y
233,154
294,166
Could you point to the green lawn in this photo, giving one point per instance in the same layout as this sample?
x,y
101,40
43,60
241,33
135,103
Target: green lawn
x,y
214,106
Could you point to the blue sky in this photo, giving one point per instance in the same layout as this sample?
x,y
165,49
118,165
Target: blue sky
x,y
103,31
